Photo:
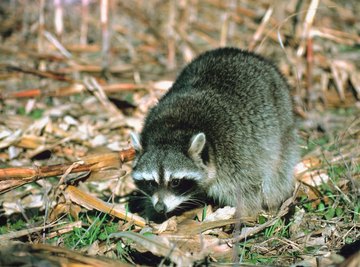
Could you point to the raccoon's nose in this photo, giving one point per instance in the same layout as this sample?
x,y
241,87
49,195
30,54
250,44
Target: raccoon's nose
x,y
160,207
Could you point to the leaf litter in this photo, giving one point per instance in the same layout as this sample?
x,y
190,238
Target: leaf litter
x,y
68,106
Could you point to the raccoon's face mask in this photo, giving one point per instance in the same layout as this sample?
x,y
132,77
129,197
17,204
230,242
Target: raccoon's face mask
x,y
168,177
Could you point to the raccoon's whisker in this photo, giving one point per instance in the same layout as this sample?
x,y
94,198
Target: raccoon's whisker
x,y
198,203
180,208
187,192
193,201
193,197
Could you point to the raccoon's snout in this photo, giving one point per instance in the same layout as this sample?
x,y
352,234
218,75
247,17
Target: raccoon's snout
x,y
165,202
160,207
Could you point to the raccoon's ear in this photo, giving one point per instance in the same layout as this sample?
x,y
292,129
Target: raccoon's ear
x,y
197,144
135,140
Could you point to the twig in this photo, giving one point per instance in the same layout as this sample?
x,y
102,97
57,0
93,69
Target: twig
x,y
76,88
283,211
52,39
43,74
64,229
19,253
14,177
20,233
93,86
339,84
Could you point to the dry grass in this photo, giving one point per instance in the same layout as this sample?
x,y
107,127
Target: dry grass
x,y
74,83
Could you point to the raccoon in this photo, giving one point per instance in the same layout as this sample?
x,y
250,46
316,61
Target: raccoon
x,y
224,131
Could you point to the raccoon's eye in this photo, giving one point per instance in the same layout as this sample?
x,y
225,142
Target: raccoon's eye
x,y
175,183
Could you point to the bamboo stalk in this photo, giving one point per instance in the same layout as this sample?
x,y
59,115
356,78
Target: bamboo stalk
x,y
84,21
309,19
171,58
259,32
309,70
58,18
104,17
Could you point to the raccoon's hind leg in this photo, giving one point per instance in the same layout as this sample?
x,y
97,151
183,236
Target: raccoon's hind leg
x,y
249,204
282,183
248,198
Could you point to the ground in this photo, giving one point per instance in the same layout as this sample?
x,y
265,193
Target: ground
x,y
73,85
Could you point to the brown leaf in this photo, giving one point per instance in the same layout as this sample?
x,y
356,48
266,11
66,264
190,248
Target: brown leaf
x,y
161,246
90,202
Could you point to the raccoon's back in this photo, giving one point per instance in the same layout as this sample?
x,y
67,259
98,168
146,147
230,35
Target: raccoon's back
x,y
229,95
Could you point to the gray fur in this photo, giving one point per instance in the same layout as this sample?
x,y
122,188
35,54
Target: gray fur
x,y
227,121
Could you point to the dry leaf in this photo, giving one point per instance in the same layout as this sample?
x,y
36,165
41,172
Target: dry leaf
x,y
90,202
161,246
224,213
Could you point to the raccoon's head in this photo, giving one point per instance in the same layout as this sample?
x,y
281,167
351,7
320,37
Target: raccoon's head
x,y
168,176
